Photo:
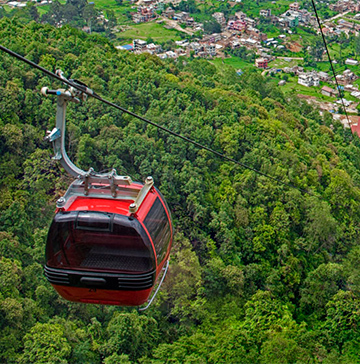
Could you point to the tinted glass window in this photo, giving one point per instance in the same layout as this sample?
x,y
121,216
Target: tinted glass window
x,y
158,226
98,241
93,221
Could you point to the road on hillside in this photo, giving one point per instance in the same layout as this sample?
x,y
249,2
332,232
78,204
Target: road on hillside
x,y
263,73
174,24
336,16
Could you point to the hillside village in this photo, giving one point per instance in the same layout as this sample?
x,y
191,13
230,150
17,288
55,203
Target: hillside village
x,y
241,30
239,34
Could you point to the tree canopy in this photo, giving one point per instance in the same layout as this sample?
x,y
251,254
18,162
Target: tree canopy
x,y
262,269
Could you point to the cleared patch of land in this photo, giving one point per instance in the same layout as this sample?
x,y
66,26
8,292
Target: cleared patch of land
x,y
235,62
147,30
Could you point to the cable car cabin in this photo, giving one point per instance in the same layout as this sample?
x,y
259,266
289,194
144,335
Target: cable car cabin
x,y
100,251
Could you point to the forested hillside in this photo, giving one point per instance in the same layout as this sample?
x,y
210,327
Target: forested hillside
x,y
260,272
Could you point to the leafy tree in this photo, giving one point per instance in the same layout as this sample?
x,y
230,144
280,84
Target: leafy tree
x,y
130,334
182,288
187,350
212,26
282,349
317,49
10,278
321,228
321,285
45,343
89,13
342,321
263,314
2,12
117,359
188,6
343,41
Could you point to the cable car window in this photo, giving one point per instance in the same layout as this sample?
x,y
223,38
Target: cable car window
x,y
93,221
98,241
158,226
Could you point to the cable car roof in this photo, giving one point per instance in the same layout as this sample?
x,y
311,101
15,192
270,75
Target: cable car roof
x,y
120,199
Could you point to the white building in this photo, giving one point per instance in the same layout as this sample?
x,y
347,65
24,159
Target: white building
x,y
139,44
351,62
171,54
210,49
182,43
309,79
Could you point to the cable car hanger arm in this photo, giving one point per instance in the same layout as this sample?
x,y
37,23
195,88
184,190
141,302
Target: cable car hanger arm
x,y
57,135
86,179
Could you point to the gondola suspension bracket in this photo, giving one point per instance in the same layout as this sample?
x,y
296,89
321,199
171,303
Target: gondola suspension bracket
x,y
88,182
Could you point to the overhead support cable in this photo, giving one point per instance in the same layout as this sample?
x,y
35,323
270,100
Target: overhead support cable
x,y
331,63
89,92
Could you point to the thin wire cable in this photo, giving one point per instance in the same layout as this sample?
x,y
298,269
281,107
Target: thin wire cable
x,y
169,131
331,63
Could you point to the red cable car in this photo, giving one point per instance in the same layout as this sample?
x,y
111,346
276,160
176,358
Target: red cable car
x,y
99,251
110,238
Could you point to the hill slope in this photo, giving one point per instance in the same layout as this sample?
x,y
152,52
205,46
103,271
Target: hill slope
x,y
260,271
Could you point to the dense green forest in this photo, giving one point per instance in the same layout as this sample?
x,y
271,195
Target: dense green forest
x,y
260,272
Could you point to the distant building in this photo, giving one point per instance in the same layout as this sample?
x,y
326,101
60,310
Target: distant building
x,y
171,54
248,42
181,17
256,34
351,62
153,48
293,21
356,94
159,6
290,18
323,76
238,25
309,79
296,70
182,43
190,22
13,4
347,77
304,16
220,18
86,29
261,63
294,7
204,50
355,128
328,91
169,13
344,5
143,14
139,44
265,13
211,38
240,15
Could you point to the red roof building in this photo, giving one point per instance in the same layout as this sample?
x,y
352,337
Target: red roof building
x,y
355,127
261,63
